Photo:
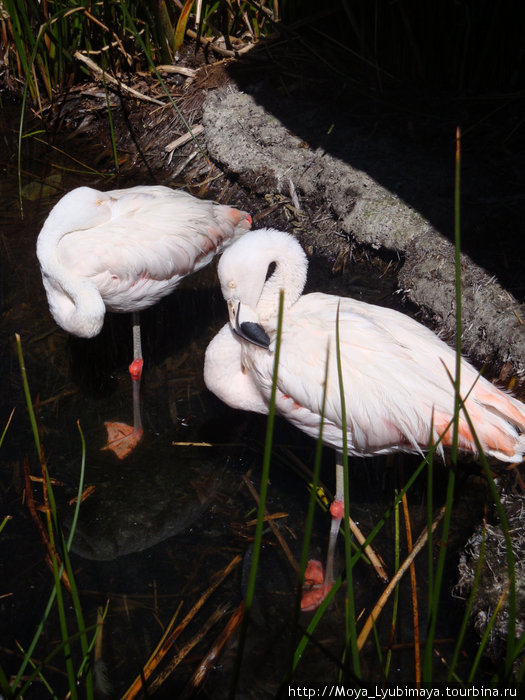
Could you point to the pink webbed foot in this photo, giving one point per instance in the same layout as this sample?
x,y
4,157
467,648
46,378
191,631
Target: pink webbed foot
x,y
314,574
122,438
315,587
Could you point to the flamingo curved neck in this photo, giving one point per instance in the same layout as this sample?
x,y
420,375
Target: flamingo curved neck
x,y
75,302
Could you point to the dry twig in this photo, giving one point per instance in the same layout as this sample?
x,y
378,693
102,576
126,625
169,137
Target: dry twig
x,y
181,140
367,627
415,612
286,549
110,79
169,639
207,662
51,553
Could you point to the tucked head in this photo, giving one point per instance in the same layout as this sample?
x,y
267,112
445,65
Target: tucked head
x,y
78,210
251,287
243,267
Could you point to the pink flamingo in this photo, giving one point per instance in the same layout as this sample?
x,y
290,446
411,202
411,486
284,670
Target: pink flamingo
x,y
122,251
394,371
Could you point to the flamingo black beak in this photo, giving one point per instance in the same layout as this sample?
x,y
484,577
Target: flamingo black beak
x,y
248,329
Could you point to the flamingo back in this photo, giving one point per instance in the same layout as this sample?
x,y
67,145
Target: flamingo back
x,y
154,237
397,378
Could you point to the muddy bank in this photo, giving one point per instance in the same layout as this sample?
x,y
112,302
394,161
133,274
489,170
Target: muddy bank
x,y
340,205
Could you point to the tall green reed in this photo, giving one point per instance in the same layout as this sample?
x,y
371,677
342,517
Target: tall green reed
x,y
351,651
263,491
82,675
43,37
436,577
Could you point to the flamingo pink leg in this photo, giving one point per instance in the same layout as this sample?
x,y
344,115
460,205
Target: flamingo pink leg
x,y
316,584
123,438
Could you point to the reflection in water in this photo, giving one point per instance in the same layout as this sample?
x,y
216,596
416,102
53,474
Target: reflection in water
x,y
155,500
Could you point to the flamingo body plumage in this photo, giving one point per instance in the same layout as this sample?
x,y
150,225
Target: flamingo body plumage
x,y
124,250
395,370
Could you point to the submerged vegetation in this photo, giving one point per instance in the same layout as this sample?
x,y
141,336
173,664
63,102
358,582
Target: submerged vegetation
x,y
42,47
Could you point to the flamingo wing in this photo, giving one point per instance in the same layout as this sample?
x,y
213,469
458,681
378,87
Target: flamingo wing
x,y
154,238
394,376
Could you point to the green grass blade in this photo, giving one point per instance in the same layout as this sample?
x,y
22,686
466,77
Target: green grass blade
x,y
59,649
250,589
27,394
52,526
151,63
395,605
6,427
315,621
4,685
54,529
296,655
468,609
428,656
71,577
38,674
180,29
350,615
110,123
4,522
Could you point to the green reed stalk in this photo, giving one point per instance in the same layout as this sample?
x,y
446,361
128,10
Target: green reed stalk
x,y
485,638
430,515
263,491
395,605
62,618
468,609
296,655
6,427
318,615
37,670
153,67
54,531
30,83
27,395
435,585
65,546
111,126
513,647
350,616
22,33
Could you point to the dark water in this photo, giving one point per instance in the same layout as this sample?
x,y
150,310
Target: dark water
x,y
160,524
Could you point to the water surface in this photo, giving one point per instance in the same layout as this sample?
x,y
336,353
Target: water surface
x,y
160,524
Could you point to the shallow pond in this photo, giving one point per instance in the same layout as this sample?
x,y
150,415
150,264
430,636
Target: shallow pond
x,y
158,526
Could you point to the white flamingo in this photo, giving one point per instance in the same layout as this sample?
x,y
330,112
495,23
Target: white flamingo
x,y
394,371
122,251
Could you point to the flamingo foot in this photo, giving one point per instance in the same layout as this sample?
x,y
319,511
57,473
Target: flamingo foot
x,y
315,588
122,438
314,574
